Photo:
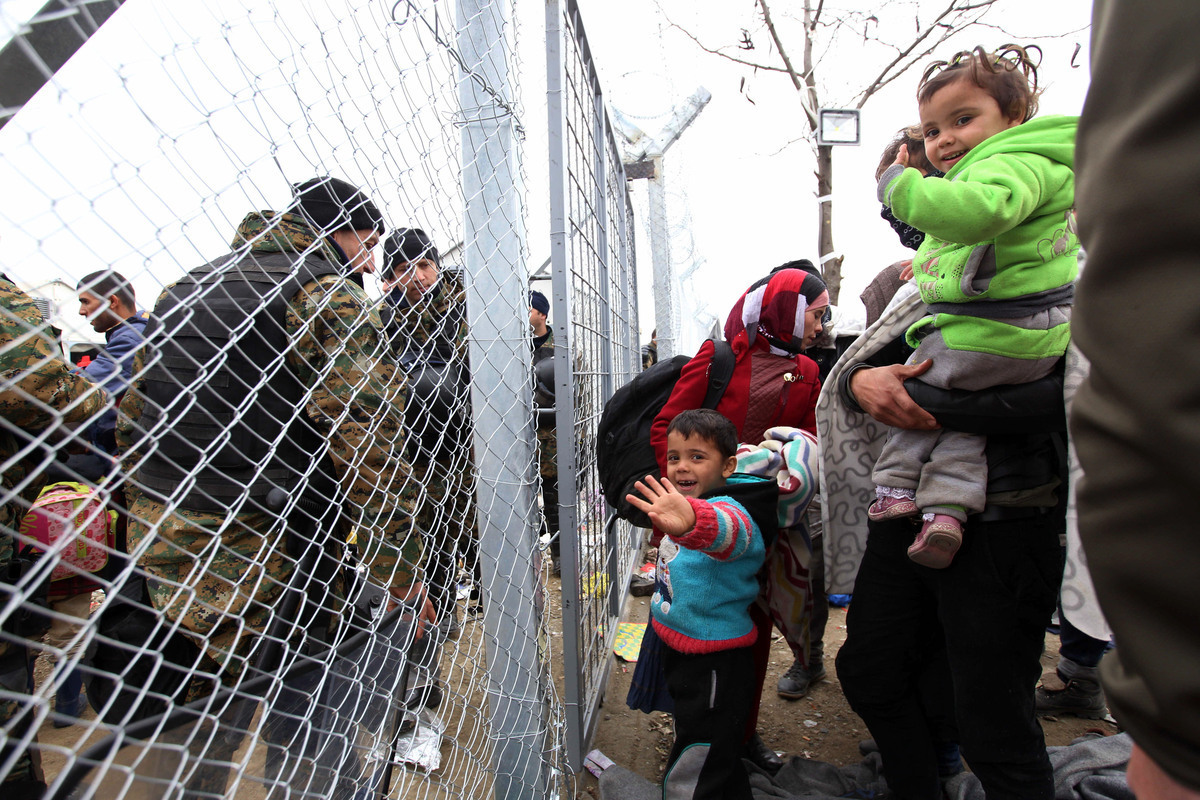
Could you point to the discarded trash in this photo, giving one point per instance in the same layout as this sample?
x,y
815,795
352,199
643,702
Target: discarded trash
x,y
596,762
422,746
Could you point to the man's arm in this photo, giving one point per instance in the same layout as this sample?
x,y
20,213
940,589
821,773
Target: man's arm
x,y
102,368
1022,408
357,399
890,395
880,392
38,389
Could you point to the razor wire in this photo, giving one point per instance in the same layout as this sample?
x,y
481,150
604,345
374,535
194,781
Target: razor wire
x,y
593,280
305,450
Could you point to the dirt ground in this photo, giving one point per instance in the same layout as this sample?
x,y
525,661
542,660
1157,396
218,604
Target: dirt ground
x,y
820,726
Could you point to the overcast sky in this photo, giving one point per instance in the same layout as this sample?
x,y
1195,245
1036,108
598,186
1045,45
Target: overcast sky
x,y
118,164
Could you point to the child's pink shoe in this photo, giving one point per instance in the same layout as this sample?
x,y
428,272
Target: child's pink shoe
x,y
937,542
888,507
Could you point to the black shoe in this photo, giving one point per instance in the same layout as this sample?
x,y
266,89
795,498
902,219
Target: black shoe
x,y
762,756
1079,696
641,585
796,682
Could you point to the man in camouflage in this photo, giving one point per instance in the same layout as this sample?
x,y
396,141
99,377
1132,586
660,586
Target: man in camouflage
x,y
39,397
219,560
543,351
425,312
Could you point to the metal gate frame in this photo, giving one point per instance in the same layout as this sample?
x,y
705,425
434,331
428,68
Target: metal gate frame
x,y
596,350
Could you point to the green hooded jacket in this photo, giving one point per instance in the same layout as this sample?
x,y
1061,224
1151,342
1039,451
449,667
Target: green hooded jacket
x,y
999,226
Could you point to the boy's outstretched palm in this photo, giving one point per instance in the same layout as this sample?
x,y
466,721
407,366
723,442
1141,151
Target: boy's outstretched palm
x,y
670,511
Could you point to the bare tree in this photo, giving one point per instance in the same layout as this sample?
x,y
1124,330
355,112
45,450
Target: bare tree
x,y
826,34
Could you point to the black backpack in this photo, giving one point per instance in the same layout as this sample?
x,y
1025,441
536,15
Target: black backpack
x,y
625,455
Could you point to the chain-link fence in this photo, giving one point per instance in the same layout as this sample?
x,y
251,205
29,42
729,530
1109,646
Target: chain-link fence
x,y
305,559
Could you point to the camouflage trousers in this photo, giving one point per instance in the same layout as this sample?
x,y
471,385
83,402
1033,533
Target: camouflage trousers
x,y
218,577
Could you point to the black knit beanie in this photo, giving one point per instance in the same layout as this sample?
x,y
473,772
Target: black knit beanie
x,y
538,301
331,204
405,246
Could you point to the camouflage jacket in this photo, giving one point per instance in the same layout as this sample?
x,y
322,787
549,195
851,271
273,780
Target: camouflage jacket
x,y
355,399
433,327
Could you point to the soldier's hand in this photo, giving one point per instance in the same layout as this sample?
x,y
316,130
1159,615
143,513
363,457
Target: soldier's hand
x,y
425,618
416,598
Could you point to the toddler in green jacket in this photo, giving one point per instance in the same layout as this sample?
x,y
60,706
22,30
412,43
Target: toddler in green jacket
x,y
996,271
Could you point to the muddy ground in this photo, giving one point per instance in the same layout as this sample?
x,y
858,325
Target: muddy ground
x,y
820,726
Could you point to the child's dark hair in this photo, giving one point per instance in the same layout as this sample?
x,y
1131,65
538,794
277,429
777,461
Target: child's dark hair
x,y
708,425
911,136
1009,75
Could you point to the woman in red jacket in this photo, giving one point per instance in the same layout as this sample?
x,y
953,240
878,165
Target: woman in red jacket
x,y
772,385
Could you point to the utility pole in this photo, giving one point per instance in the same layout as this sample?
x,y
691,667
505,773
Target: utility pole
x,y
645,160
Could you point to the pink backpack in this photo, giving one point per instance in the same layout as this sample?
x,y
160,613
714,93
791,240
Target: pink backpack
x,y
78,513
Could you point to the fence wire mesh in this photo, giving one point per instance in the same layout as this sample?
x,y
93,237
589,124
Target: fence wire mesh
x,y
236,565
593,279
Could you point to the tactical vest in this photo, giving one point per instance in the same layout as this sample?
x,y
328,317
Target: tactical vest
x,y
225,412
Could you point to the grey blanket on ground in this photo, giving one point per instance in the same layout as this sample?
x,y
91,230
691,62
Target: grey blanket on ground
x,y
1092,768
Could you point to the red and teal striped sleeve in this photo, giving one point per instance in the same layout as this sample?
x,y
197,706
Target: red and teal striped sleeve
x,y
723,529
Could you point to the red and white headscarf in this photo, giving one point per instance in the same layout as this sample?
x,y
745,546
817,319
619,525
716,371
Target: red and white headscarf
x,y
774,308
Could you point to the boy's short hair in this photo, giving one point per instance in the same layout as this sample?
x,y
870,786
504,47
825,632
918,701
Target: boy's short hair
x,y
708,425
1009,75
105,284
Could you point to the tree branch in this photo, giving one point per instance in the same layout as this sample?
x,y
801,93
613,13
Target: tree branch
x,y
720,53
805,87
909,55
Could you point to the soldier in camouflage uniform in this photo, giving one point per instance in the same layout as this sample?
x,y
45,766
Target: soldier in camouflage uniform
x,y
543,351
426,314
39,394
218,560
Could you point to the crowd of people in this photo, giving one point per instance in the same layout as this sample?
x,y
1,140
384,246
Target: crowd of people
x,y
271,416
945,466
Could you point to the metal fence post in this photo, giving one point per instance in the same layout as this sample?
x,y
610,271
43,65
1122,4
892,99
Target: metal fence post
x,y
666,316
505,451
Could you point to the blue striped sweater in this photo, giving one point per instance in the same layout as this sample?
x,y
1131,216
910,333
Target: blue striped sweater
x,y
707,578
